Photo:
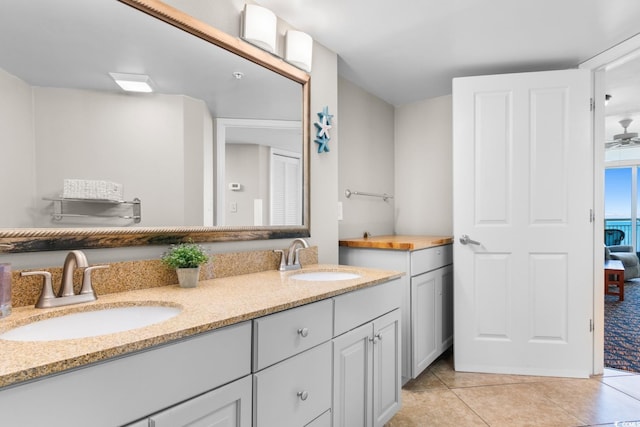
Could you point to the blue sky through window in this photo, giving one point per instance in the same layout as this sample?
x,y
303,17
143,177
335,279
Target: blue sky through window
x,y
617,193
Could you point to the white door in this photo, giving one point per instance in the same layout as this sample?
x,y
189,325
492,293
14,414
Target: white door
x,y
523,194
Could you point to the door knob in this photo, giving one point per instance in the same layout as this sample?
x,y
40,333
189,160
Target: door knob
x,y
466,240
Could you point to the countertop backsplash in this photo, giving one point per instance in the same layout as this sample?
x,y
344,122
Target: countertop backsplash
x,y
143,274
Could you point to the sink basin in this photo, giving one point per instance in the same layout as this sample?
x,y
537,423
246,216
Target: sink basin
x,y
325,276
90,323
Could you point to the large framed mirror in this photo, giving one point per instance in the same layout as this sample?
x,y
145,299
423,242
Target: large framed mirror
x,y
90,165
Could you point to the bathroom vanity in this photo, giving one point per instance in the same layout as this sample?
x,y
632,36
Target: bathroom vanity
x,y
427,290
259,349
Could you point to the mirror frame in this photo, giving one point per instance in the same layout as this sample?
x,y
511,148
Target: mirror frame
x,y
13,240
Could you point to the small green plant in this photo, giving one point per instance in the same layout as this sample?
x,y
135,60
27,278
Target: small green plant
x,y
185,255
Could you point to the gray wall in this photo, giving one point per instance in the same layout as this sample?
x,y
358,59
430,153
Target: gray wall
x,y
424,167
405,151
366,161
18,166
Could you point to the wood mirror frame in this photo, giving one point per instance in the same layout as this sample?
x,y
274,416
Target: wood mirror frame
x,y
13,240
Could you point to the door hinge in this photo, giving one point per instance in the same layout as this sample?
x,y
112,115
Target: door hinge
x,y
592,216
592,105
590,325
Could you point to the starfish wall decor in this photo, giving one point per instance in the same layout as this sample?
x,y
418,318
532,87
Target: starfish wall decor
x,y
323,126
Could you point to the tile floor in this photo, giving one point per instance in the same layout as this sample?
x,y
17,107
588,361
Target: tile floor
x,y
442,397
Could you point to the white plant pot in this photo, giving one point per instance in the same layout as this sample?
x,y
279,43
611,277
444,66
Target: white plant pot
x,y
188,277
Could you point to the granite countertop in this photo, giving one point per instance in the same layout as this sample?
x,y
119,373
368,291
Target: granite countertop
x,y
213,304
397,242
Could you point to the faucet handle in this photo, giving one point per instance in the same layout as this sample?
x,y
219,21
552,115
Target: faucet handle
x,y
283,259
47,287
87,287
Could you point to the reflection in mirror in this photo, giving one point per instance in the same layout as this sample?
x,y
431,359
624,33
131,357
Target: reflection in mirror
x,y
63,117
260,179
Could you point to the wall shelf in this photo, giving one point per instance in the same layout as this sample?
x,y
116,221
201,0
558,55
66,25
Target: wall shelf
x,y
64,207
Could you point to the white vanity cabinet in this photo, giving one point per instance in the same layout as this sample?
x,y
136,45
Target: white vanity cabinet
x,y
431,304
427,295
290,368
366,357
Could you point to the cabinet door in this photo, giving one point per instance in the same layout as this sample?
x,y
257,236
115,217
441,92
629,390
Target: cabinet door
x,y
445,332
352,387
227,406
423,321
323,420
386,367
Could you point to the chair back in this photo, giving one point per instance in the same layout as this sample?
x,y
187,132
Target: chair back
x,y
613,237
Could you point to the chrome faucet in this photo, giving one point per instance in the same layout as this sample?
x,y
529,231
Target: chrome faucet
x,y
66,294
74,259
290,260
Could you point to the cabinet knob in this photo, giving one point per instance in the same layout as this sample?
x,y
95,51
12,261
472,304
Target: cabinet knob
x,y
303,395
303,332
377,337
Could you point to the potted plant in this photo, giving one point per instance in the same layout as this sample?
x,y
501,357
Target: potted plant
x,y
186,258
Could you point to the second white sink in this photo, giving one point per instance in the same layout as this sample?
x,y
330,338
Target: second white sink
x,y
91,323
325,276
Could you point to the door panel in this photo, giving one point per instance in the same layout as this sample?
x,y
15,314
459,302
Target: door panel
x,y
523,189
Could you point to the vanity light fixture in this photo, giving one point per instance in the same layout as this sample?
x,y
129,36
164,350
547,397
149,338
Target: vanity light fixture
x,y
259,27
298,49
133,82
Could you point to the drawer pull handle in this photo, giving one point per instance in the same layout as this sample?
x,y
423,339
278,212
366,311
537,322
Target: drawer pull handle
x,y
303,332
303,395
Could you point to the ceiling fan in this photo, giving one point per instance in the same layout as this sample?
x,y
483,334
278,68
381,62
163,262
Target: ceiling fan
x,y
624,139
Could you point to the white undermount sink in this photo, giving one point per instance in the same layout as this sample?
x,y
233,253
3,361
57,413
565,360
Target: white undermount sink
x,y
325,276
91,323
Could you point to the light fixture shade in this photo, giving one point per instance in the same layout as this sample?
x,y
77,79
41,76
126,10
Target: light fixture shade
x,y
133,82
299,49
259,27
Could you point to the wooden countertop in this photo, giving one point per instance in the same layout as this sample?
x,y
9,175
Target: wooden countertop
x,y
213,304
397,242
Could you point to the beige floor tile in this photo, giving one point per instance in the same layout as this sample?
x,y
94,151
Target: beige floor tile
x,y
609,372
454,379
425,381
590,400
443,369
629,384
515,405
435,407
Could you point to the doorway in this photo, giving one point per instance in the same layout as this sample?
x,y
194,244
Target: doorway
x,y
615,74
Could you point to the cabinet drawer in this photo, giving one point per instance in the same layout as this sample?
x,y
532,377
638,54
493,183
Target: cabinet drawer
x,y
284,334
294,392
323,420
431,258
358,307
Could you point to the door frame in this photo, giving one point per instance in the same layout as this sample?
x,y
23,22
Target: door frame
x,y
599,64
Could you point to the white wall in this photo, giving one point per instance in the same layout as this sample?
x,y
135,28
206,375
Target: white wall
x,y
424,167
366,161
